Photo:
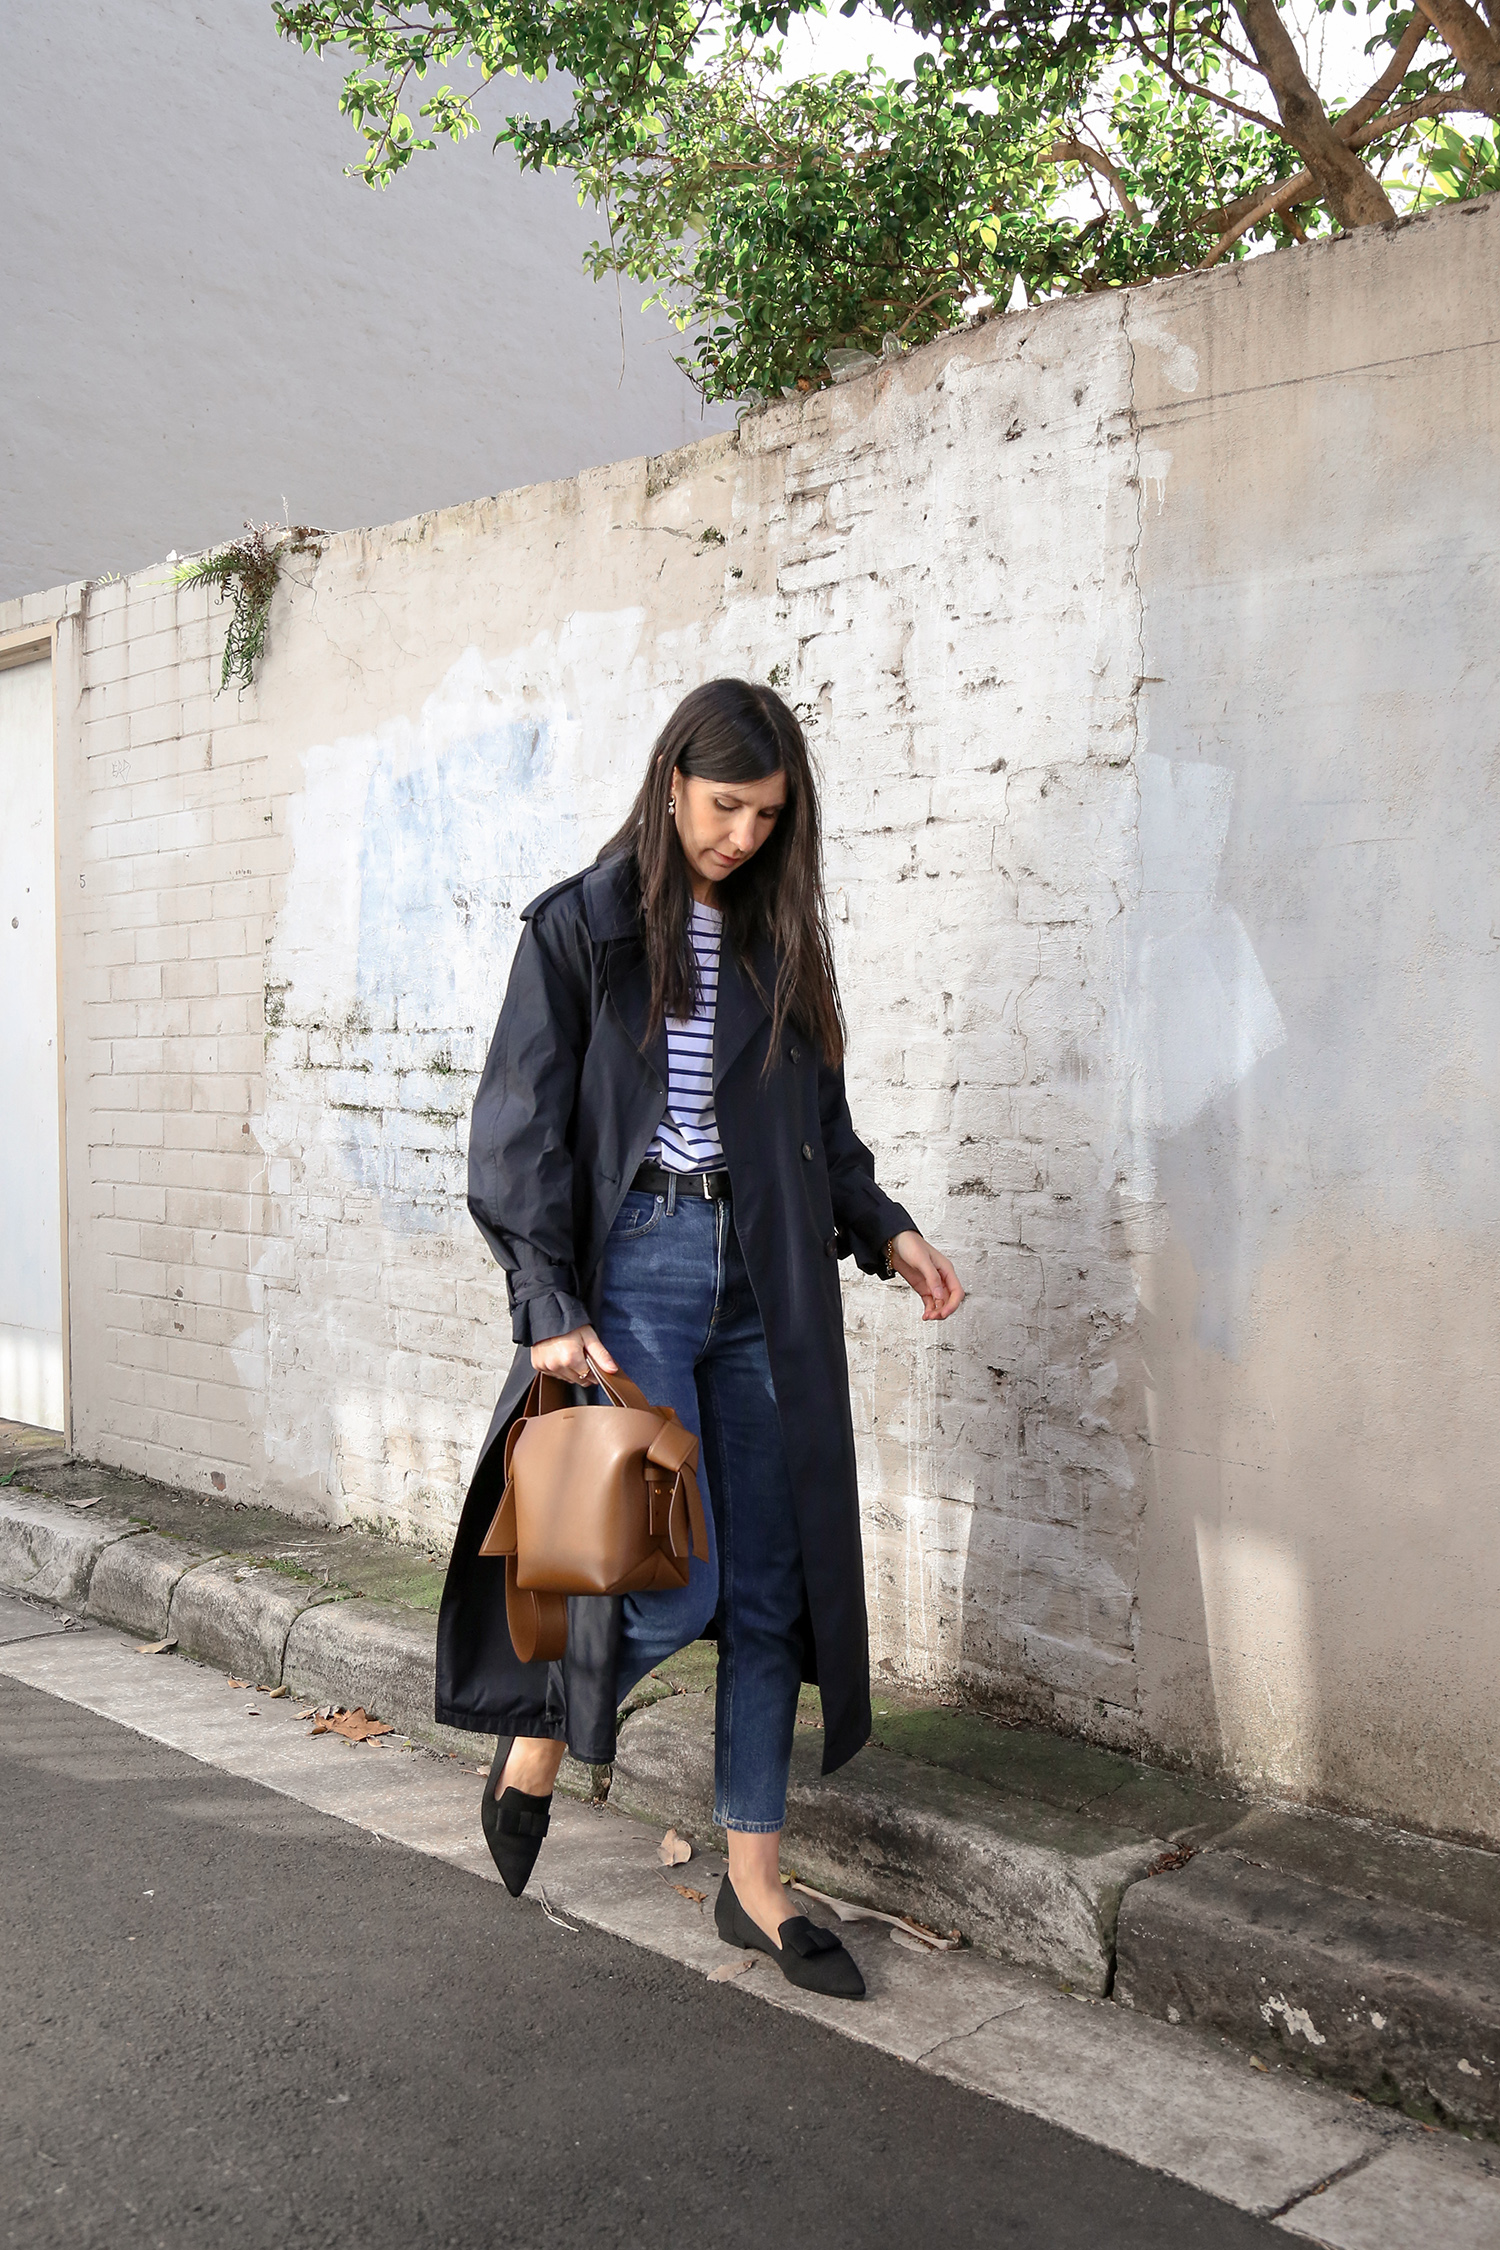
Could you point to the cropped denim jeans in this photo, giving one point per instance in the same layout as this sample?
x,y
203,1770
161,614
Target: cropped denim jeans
x,y
679,1315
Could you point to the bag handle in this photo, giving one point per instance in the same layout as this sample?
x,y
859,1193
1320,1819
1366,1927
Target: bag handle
x,y
538,1623
619,1389
674,1449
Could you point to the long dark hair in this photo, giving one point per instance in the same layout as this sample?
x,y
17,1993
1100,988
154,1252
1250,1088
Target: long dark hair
x,y
729,731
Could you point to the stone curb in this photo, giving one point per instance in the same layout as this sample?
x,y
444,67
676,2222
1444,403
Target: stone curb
x,y
50,1551
1024,1883
359,1652
262,1624
1384,1998
134,1581
236,1616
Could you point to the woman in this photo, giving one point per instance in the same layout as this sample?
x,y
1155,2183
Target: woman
x,y
663,1162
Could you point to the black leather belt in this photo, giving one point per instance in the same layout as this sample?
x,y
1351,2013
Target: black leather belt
x,y
657,1179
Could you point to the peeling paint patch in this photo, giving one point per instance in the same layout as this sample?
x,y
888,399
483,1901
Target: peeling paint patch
x,y
1298,2022
1155,465
1179,362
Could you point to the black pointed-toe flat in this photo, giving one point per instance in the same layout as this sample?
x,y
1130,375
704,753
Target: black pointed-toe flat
x,y
515,1824
808,1955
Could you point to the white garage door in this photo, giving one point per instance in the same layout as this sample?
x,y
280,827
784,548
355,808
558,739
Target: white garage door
x,y
31,1341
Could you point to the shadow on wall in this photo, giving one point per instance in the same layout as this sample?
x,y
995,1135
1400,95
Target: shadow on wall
x,y
1195,1026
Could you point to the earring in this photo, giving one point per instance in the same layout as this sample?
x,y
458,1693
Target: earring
x,y
671,804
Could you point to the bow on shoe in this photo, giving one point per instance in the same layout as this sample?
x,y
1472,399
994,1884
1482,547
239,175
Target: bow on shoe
x,y
809,1938
521,1820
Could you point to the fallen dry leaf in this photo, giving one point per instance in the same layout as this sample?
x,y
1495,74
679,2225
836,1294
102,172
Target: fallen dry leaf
x,y
728,1969
682,1891
673,1850
271,1693
239,1683
931,1941
1257,2064
91,1503
552,1914
354,1726
157,1648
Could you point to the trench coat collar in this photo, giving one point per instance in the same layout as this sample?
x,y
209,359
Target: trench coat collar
x,y
612,904
612,899
612,909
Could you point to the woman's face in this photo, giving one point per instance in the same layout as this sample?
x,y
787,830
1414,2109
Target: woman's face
x,y
721,824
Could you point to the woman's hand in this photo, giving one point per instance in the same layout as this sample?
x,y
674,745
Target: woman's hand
x,y
929,1273
563,1356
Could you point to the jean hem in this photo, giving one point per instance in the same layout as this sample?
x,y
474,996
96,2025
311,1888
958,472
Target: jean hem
x,y
748,1827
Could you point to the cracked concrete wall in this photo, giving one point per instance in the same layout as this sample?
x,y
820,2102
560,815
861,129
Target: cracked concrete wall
x,y
1146,644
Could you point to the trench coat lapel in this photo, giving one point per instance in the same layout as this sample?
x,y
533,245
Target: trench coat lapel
x,y
741,1010
629,980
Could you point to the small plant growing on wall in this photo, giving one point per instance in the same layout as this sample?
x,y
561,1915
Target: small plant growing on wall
x,y
246,572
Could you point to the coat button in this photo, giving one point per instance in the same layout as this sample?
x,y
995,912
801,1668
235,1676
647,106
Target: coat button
x,y
832,1246
807,1152
794,1054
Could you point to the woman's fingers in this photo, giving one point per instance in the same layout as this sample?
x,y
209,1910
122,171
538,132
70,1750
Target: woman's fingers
x,y
951,1290
597,1353
933,1278
563,1356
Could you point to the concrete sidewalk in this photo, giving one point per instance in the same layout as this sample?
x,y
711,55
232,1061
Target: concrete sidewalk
x,y
1340,1950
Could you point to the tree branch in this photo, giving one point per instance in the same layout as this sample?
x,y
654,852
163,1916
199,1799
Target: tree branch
x,y
1079,152
1144,48
1228,216
1475,48
1390,78
1299,188
1351,191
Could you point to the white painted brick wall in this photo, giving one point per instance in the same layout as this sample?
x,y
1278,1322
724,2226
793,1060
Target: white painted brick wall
x,y
288,917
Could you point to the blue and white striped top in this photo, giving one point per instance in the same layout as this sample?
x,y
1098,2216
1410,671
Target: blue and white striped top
x,y
688,1139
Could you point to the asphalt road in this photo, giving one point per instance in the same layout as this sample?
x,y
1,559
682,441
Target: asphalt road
x,y
228,2021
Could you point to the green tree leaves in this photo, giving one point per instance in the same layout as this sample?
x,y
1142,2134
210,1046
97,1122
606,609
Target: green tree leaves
x,y
1070,144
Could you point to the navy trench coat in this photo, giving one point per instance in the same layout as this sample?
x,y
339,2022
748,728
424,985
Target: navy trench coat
x,y
569,1102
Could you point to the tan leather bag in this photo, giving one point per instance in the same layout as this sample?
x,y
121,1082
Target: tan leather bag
x,y
597,1500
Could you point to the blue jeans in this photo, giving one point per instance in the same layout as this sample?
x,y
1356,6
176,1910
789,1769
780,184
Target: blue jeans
x,y
678,1313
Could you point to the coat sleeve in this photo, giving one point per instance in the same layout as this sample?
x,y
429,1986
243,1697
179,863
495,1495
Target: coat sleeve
x,y
520,1154
863,1213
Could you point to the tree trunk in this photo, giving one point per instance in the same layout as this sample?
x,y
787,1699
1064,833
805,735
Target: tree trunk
x,y
1475,49
1350,190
